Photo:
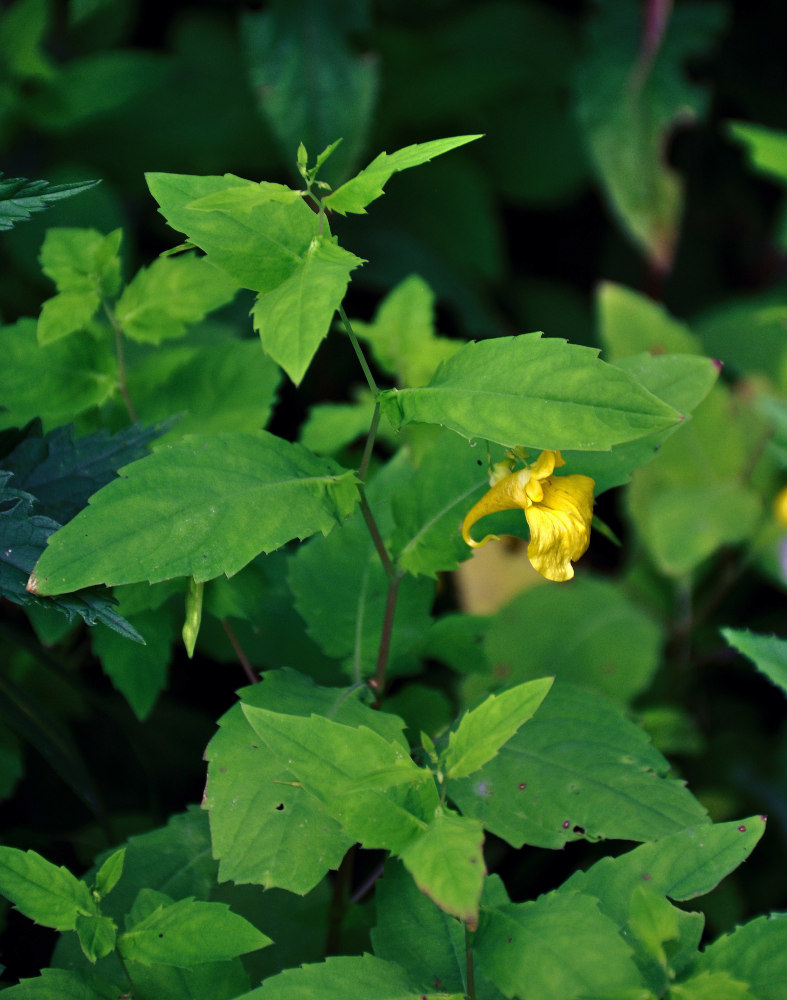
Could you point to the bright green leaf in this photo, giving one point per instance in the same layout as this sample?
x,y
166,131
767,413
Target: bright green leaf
x,y
97,935
189,932
164,299
343,977
767,147
483,730
710,986
755,953
402,335
110,871
631,323
293,318
533,391
198,507
47,894
63,984
260,248
447,863
365,187
66,313
556,948
81,260
767,652
578,769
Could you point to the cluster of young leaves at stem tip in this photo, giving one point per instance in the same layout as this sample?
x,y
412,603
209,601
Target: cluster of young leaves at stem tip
x,y
317,768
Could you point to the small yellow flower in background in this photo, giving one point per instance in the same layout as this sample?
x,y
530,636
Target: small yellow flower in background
x,y
558,509
780,507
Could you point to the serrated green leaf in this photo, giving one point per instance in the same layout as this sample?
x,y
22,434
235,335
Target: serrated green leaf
x,y
578,769
767,652
294,318
19,197
343,977
483,730
402,335
63,984
589,633
766,147
245,196
682,865
368,783
755,953
516,947
259,248
354,195
110,871
66,313
198,507
217,980
97,935
82,260
266,827
534,392
45,893
55,382
163,300
447,863
189,932
710,986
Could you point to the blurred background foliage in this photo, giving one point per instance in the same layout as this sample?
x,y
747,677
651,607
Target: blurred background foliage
x,y
612,202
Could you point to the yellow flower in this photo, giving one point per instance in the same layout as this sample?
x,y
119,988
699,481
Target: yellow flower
x,y
558,509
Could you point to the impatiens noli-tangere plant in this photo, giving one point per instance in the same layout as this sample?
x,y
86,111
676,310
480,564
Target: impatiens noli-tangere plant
x,y
344,775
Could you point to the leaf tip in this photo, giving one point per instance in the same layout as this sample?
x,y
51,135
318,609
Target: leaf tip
x,y
33,584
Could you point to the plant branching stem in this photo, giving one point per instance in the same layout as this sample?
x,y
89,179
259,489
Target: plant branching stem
x,y
369,446
374,531
359,353
378,682
121,360
469,966
134,992
248,669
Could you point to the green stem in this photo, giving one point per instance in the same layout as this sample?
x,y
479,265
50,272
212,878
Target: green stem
x,y
134,991
369,446
359,353
469,966
120,358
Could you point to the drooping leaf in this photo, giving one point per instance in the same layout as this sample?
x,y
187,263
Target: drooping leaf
x,y
293,318
48,894
354,195
162,300
533,391
632,91
19,197
189,932
198,507
310,84
517,946
767,652
578,769
260,248
482,731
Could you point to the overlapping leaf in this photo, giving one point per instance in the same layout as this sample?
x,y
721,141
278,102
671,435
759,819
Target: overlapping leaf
x,y
198,507
767,652
19,197
539,393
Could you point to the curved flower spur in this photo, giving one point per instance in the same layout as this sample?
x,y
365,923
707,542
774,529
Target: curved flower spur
x,y
559,510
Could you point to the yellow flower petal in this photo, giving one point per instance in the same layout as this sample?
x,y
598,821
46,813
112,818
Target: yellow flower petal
x,y
560,526
508,493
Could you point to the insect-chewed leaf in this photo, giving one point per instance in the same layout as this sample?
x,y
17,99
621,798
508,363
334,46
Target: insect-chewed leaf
x,y
198,507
